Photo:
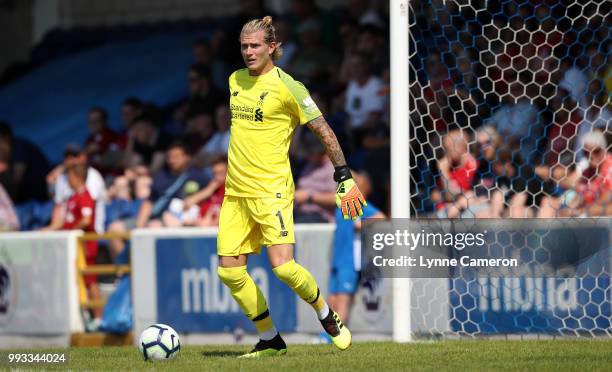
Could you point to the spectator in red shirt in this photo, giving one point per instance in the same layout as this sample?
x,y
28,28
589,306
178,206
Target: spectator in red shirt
x,y
103,145
457,166
80,206
457,170
80,215
595,185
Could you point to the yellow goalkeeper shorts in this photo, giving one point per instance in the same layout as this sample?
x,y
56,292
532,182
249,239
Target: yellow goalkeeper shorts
x,y
246,224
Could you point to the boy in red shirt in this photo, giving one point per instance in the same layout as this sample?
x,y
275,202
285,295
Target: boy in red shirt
x,y
79,214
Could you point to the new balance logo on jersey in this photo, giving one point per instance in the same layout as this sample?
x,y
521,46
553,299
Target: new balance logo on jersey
x,y
258,115
235,93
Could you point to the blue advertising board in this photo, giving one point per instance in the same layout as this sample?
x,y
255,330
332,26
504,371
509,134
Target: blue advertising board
x,y
574,296
192,298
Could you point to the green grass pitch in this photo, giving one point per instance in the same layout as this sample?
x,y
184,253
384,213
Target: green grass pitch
x,y
477,355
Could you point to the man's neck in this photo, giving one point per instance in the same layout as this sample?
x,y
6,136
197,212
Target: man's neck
x,y
267,68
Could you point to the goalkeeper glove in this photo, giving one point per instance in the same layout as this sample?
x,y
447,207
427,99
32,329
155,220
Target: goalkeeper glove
x,y
348,197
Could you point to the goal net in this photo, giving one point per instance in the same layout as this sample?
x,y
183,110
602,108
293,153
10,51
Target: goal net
x,y
511,119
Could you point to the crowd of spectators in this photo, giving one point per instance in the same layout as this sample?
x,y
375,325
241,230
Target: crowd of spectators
x,y
165,166
512,109
511,119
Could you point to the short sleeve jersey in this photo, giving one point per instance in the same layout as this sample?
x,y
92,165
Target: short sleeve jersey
x,y
265,111
80,205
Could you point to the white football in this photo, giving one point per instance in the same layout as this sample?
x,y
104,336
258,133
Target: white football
x,y
159,342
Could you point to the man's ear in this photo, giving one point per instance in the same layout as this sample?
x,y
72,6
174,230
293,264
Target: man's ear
x,y
271,47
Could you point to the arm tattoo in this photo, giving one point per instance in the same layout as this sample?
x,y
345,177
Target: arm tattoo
x,y
321,129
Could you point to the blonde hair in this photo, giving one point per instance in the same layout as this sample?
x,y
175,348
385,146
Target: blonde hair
x,y
265,25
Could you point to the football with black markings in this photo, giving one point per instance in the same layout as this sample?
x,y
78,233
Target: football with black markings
x,y
159,342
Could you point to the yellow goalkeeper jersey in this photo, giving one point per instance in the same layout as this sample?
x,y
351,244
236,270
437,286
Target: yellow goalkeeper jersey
x,y
265,111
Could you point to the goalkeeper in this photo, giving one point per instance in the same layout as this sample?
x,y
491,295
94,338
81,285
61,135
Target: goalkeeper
x,y
266,105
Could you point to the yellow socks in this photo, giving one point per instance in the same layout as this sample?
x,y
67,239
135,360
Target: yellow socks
x,y
249,297
252,302
302,283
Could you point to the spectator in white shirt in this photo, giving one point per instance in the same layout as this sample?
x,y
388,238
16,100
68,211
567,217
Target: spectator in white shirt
x,y
74,154
364,102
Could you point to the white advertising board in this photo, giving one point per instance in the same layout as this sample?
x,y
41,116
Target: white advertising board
x,y
38,287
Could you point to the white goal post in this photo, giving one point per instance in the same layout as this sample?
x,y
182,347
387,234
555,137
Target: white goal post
x,y
400,154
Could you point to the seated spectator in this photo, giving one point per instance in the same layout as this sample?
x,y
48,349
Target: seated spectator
x,y
198,129
218,144
103,145
531,191
58,180
146,144
491,181
142,185
8,217
200,91
364,97
202,53
173,181
315,194
27,167
566,202
575,82
80,208
466,189
457,166
222,58
372,43
567,118
595,184
597,117
518,122
201,208
131,108
125,197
